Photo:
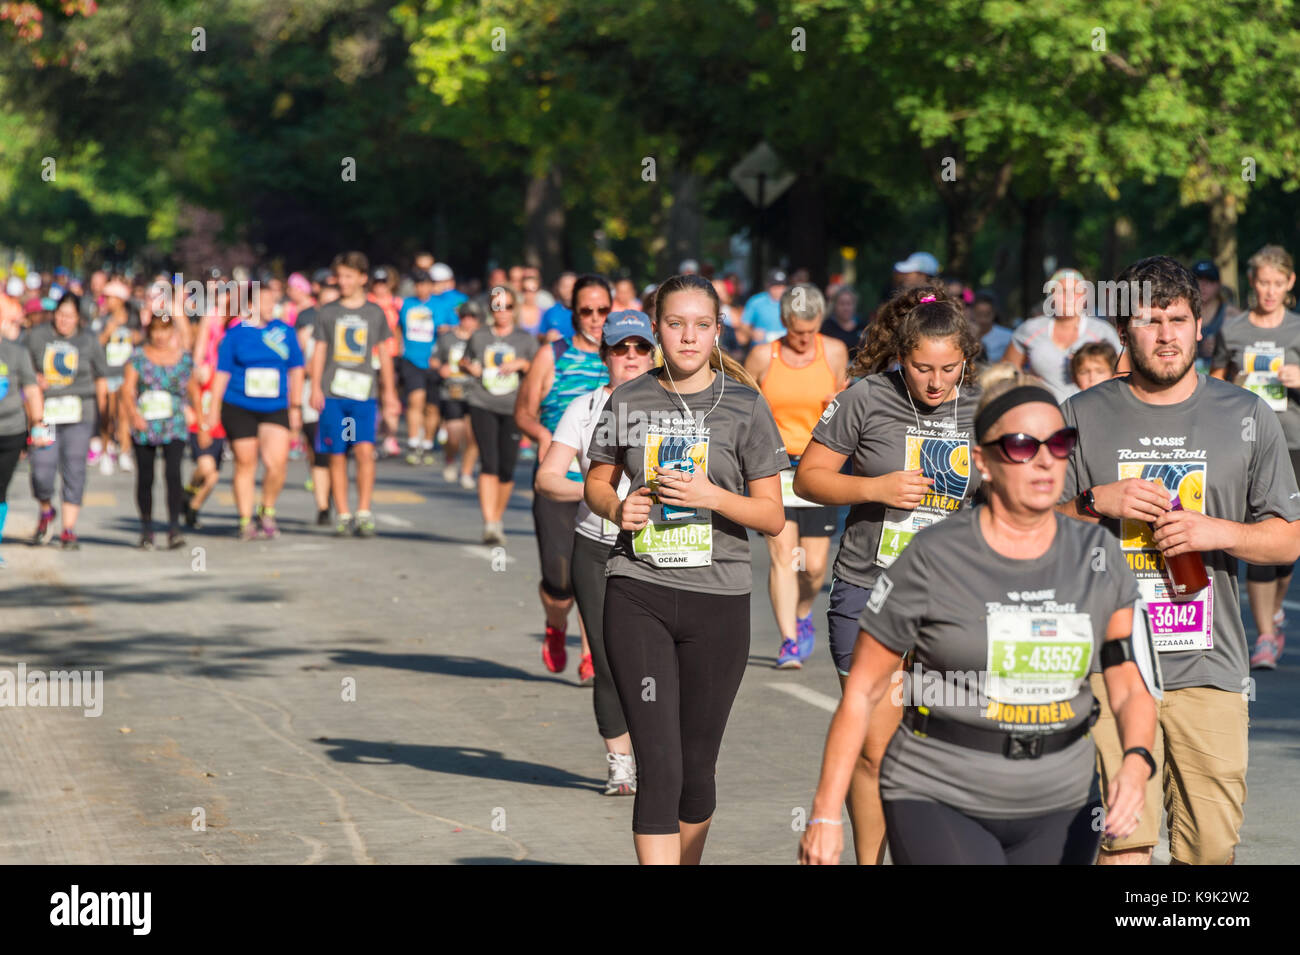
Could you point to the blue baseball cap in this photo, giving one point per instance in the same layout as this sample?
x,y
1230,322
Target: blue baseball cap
x,y
922,262
629,323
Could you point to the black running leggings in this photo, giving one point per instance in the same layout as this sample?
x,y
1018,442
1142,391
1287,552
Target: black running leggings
x,y
498,442
173,453
677,658
930,833
589,559
11,449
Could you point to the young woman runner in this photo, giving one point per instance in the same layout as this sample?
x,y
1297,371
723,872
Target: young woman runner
x,y
692,436
908,432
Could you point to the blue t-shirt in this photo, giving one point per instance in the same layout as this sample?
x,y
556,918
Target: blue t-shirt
x,y
559,318
763,314
418,321
258,361
444,306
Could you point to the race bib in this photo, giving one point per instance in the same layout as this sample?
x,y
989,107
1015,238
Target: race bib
x,y
788,497
419,327
262,382
63,410
155,405
117,353
1178,624
686,544
896,535
945,459
498,383
608,529
351,384
1037,657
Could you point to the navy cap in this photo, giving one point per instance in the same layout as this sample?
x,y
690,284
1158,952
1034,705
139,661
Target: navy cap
x,y
629,323
1205,269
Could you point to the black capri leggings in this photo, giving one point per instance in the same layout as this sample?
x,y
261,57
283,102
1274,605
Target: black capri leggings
x,y
1267,573
930,833
11,449
498,442
173,453
588,571
677,658
553,523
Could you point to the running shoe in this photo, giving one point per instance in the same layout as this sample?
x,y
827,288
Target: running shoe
x,y
528,451
449,474
44,528
146,542
247,530
267,528
553,653
805,636
295,450
323,518
1279,621
788,658
68,541
174,540
494,533
192,518
586,670
309,485
1268,650
343,526
413,457
427,456
125,463
106,464
365,524
391,448
622,775
467,482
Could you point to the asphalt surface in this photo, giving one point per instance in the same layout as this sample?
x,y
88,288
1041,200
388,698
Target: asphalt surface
x,y
226,736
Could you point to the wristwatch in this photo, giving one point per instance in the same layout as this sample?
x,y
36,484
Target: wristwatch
x,y
1087,504
1141,751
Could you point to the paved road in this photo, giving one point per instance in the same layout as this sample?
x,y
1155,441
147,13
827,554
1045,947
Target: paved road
x,y
225,669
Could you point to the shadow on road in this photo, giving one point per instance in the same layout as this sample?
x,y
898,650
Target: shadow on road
x,y
443,665
456,760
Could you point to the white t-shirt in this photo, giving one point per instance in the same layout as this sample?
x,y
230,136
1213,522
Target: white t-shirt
x,y
577,425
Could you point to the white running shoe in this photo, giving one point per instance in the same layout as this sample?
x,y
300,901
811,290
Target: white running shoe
x,y
125,463
622,775
467,482
106,465
449,474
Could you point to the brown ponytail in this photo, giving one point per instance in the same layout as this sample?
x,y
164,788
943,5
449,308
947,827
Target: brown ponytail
x,y
718,361
881,346
913,316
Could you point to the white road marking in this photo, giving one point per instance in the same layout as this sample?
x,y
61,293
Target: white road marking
x,y
821,700
485,552
392,521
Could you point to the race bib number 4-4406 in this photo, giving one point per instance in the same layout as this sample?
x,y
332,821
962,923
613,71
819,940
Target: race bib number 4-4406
x,y
675,544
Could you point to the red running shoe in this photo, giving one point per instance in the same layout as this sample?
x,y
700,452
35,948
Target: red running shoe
x,y
586,671
553,652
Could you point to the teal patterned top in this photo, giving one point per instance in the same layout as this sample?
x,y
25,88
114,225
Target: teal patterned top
x,y
160,398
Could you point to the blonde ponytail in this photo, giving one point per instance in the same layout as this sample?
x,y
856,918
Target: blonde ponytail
x,y
720,361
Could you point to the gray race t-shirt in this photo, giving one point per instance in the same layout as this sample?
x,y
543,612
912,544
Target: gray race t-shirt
x,y
449,350
1032,630
876,424
16,372
642,425
1048,360
351,336
70,365
1244,347
494,391
1222,452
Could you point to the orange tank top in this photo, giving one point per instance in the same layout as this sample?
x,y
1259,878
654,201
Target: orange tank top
x,y
797,396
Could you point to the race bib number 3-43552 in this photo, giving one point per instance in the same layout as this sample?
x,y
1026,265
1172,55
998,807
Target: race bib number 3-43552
x,y
1037,657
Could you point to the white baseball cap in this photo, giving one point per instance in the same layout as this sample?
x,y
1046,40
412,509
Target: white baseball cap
x,y
441,272
918,262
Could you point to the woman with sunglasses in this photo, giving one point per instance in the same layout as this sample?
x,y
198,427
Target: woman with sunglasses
x,y
495,359
627,349
1005,607
154,394
562,371
908,432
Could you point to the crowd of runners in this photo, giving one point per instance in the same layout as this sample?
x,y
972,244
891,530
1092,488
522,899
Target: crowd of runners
x,y
1033,611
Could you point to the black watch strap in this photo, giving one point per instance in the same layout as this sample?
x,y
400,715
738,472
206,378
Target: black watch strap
x,y
1142,751
1087,504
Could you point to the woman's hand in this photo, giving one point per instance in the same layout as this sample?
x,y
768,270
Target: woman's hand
x,y
680,489
904,490
821,844
634,510
1126,797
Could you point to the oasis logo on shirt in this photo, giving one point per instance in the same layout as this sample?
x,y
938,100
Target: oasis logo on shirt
x,y
1175,442
1015,596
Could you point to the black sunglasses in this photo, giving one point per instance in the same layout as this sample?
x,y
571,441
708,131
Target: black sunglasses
x,y
622,348
1020,447
587,311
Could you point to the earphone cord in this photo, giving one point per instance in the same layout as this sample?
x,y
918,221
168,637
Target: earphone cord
x,y
722,391
955,399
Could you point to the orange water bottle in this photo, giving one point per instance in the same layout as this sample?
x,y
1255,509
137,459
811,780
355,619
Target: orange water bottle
x,y
1186,571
